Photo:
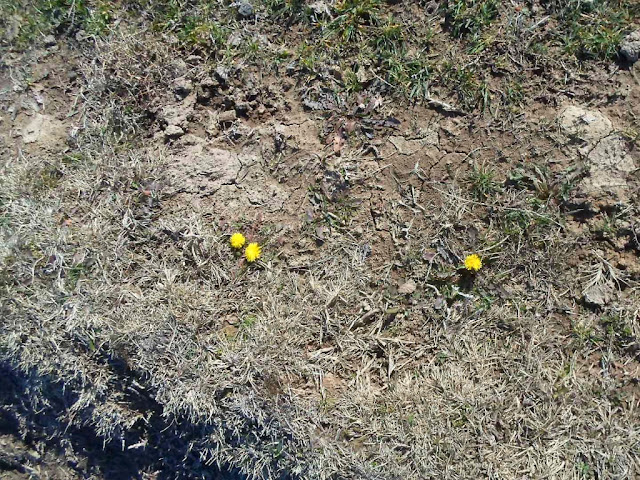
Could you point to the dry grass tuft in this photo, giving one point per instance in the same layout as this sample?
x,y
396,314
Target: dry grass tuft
x,y
314,362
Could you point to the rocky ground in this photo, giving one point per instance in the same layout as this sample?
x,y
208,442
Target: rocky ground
x,y
369,147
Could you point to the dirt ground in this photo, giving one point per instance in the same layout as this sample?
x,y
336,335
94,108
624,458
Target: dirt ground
x,y
137,343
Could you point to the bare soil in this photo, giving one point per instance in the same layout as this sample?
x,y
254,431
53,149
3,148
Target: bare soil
x,y
137,344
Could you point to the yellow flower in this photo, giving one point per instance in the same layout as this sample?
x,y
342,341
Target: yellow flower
x,y
252,253
473,263
237,240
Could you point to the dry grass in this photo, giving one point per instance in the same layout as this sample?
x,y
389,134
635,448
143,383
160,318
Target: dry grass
x,y
310,364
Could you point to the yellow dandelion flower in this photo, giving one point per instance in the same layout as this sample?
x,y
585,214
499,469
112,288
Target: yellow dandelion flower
x,y
237,240
473,263
252,252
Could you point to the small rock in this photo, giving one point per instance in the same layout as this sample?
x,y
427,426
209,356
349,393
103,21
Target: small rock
x,y
630,47
228,116
597,295
229,331
590,126
222,74
33,455
190,139
245,9
609,165
407,288
182,87
365,251
404,146
243,108
321,8
49,41
180,66
179,114
321,235
173,131
12,28
209,82
361,75
43,129
212,128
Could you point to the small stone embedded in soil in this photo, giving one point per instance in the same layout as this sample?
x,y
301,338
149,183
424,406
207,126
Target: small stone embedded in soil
x,y
321,8
407,288
49,41
235,39
321,234
45,130
630,47
209,82
227,116
191,139
607,159
33,455
179,114
222,74
173,131
229,331
589,125
597,295
245,9
609,166
182,87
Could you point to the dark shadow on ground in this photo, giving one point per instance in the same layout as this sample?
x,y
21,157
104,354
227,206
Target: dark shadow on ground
x,y
34,407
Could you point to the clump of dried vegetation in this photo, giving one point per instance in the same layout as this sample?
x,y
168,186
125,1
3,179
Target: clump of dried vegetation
x,y
339,353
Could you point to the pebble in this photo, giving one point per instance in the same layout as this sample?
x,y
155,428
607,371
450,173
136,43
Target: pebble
x,y
228,116
50,41
173,131
245,9
630,47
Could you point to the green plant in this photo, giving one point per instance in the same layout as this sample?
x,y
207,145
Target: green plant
x,y
307,56
99,17
583,468
533,177
516,222
197,32
617,329
419,78
592,29
40,17
354,18
482,182
389,37
464,83
469,17
289,10
251,49
351,82
585,334
248,321
73,274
